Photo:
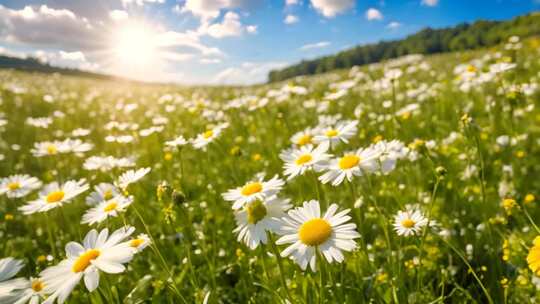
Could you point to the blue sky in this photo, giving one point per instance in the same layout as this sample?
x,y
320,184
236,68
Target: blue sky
x,y
219,41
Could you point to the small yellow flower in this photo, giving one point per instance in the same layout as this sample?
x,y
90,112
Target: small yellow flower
x,y
533,258
41,259
508,204
256,157
168,156
504,282
235,151
529,198
520,154
506,251
382,277
377,139
8,217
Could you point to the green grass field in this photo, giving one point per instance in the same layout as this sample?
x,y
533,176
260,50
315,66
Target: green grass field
x,y
461,183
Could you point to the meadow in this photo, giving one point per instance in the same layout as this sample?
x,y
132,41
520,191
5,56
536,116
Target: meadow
x,y
414,180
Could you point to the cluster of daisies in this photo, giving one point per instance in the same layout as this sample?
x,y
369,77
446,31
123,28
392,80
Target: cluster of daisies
x,y
99,252
260,211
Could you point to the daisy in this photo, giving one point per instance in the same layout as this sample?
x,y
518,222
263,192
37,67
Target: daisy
x,y
98,252
76,145
139,243
342,131
253,190
349,165
48,148
177,142
102,192
19,185
31,293
308,233
107,208
107,163
389,153
533,258
9,267
203,139
409,222
55,195
257,217
298,161
304,137
131,177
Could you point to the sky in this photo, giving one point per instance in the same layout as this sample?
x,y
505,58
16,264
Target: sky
x,y
219,41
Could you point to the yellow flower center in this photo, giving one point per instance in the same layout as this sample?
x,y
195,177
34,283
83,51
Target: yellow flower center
x,y
304,159
251,188
85,259
331,133
471,68
136,243
55,196
208,134
304,140
408,223
111,206
315,232
348,161
51,149
14,186
256,211
108,195
37,285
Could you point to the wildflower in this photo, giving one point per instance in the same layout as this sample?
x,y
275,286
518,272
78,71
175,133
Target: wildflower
x,y
304,137
131,177
533,258
105,209
9,267
55,195
102,192
508,204
203,139
341,132
257,218
529,198
98,252
16,186
298,161
409,222
177,142
253,190
139,243
349,165
308,233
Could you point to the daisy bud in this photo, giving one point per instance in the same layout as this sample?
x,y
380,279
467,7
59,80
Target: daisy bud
x,y
441,171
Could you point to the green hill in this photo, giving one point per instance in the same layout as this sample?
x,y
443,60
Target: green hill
x,y
427,41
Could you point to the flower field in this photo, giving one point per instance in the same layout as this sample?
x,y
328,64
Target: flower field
x,y
415,180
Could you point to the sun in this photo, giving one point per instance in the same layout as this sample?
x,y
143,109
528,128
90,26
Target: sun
x,y
134,46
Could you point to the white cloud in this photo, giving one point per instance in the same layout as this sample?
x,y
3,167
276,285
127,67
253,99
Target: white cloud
x,y
140,2
290,19
118,15
176,39
75,56
373,14
318,45
430,2
210,9
330,8
210,60
291,2
393,25
247,73
230,26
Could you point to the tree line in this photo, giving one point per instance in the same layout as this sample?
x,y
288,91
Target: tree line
x,y
427,41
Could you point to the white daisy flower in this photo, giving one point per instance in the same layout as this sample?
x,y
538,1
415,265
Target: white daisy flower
x,y
107,163
390,153
77,145
341,132
409,222
9,267
102,192
253,190
48,148
203,139
139,243
33,292
257,217
131,177
298,161
105,209
177,142
350,165
98,252
308,232
55,195
304,137
18,185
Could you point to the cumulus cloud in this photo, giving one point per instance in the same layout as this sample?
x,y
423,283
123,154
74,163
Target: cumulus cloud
x,y
317,45
430,2
393,25
247,73
210,9
140,2
230,26
373,14
291,2
331,8
290,19
118,15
